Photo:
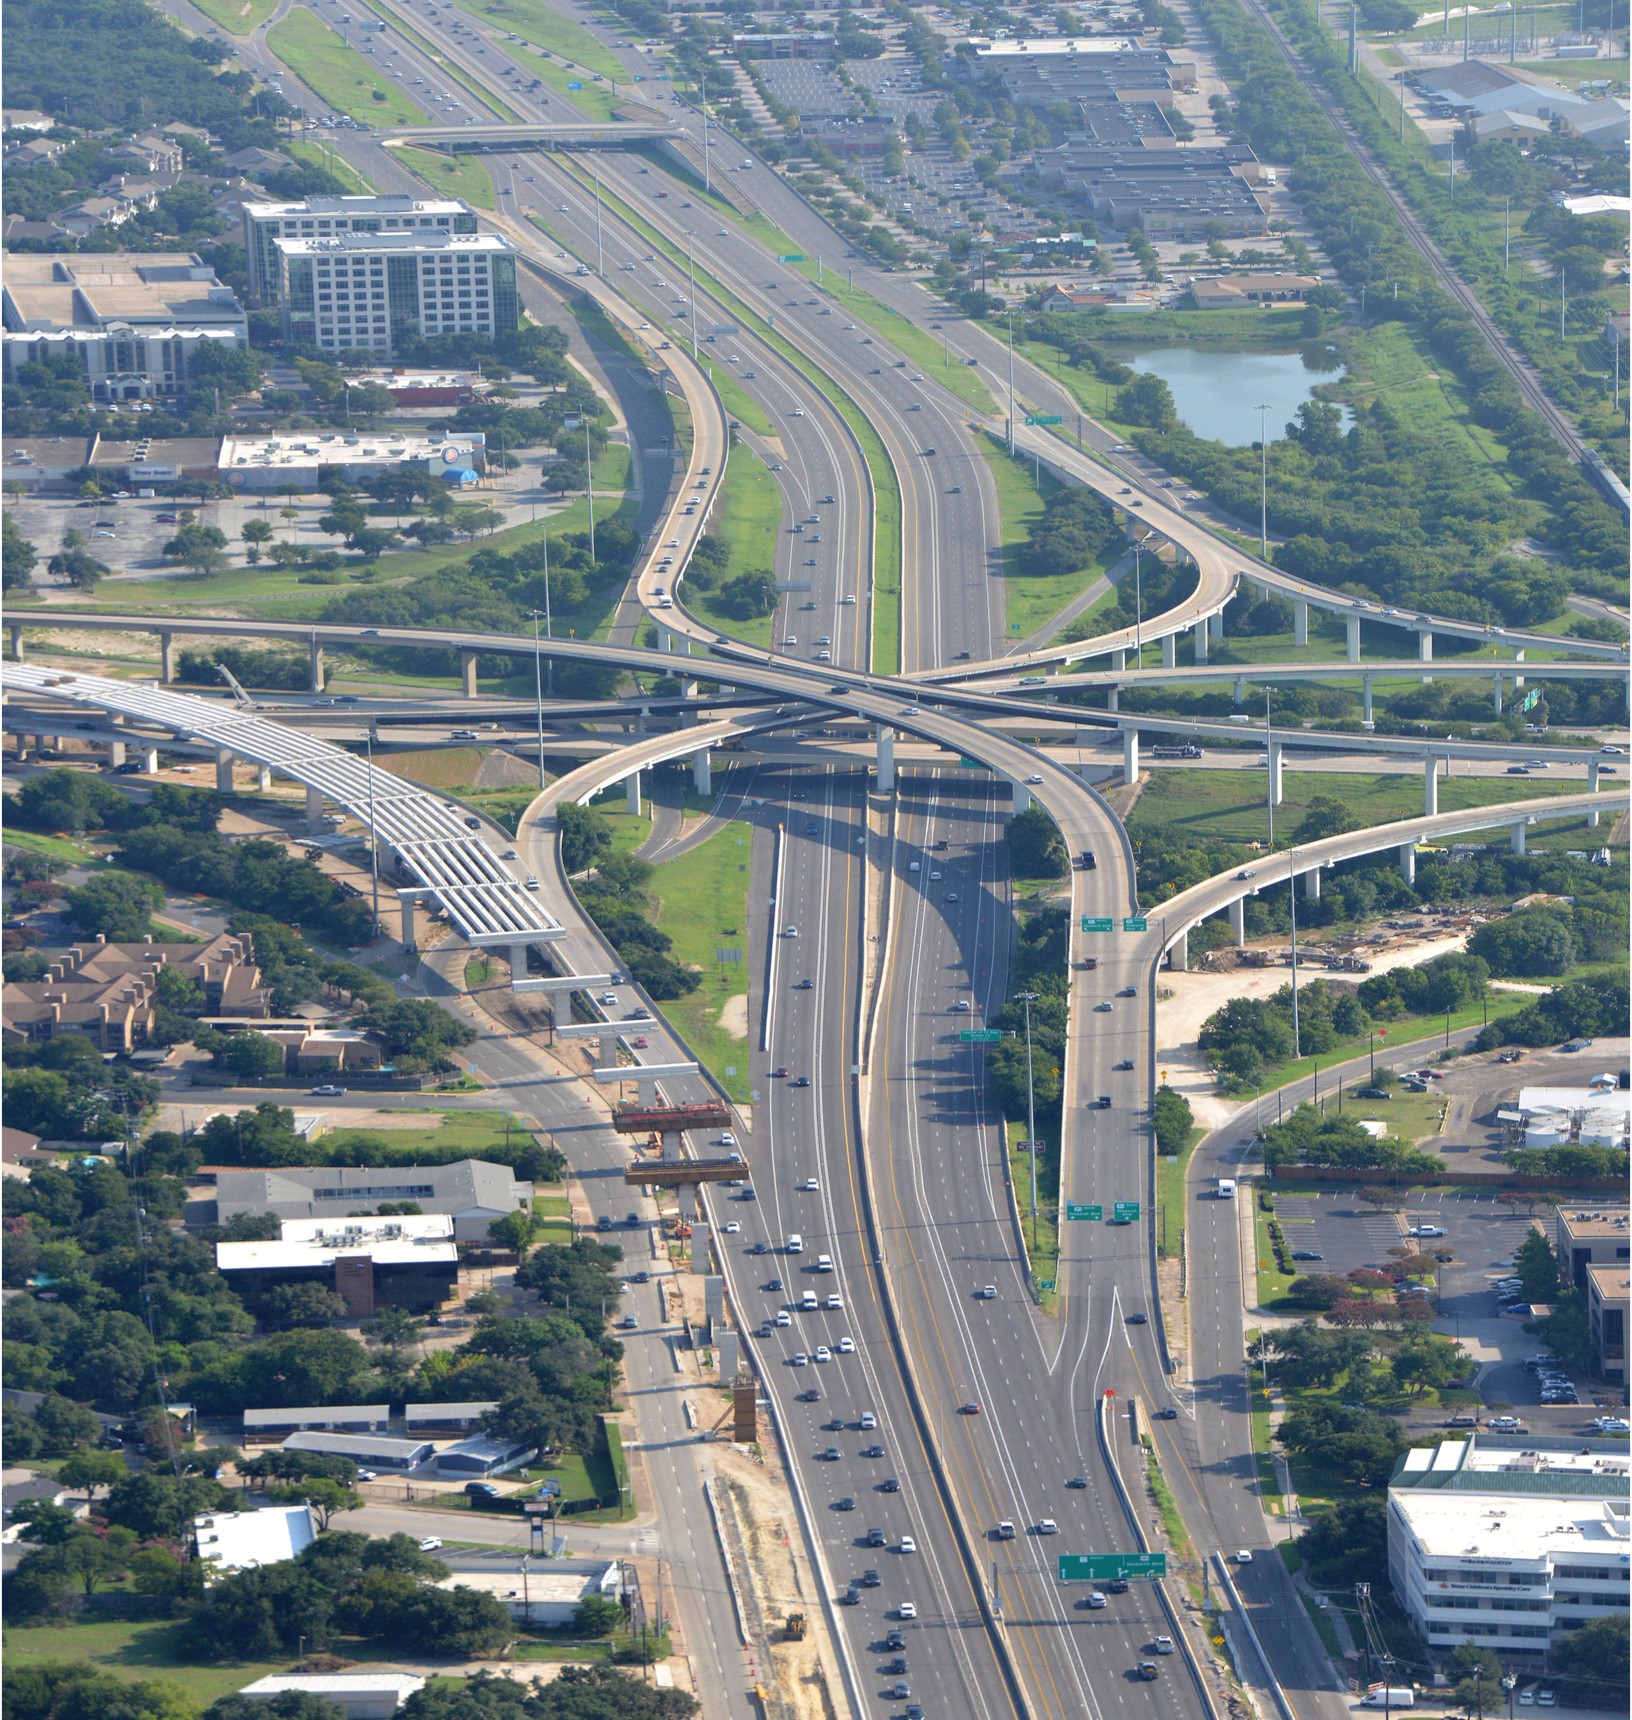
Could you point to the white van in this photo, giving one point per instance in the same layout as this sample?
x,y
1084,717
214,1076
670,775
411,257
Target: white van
x,y
796,1243
809,1302
1226,1188
1389,1696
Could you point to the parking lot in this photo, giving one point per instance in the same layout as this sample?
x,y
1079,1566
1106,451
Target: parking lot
x,y
1334,1225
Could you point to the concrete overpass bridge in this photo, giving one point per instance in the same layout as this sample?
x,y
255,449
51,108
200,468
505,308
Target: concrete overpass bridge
x,y
490,135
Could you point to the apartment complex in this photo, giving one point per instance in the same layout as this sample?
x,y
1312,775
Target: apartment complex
x,y
327,217
1509,1543
131,319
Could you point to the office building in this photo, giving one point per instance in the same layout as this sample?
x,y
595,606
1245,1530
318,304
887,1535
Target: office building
x,y
367,291
409,1261
1509,1543
1597,1236
1608,1290
471,1192
132,320
325,217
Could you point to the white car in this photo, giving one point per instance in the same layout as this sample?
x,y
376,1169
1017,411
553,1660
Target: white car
x,y
1048,1527
790,931
823,1353
1243,1555
868,1420
908,1545
784,1318
430,1544
906,1610
835,1300
609,999
728,1139
1425,1230
810,1186
732,1228
799,1359
847,1346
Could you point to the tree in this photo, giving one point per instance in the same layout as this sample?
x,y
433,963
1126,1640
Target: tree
x,y
252,1054
1535,1265
202,548
18,556
45,1523
1036,849
156,1506
1593,1661
585,835
515,1230
1324,816
77,567
1147,400
63,1424
1530,944
286,1705
88,1471
325,1497
597,1615
1348,1543
116,905
302,1305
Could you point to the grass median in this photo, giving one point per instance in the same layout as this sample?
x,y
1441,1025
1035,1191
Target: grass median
x,y
748,520
237,17
320,154
348,81
703,906
452,175
1042,1235
538,22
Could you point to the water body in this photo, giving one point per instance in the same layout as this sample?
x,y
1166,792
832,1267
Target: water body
x,y
1218,393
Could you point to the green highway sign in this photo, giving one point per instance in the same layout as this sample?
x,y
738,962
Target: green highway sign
x,y
1530,699
791,257
1136,923
1125,1212
1076,1209
1093,925
970,764
980,1036
1045,1283
1044,418
1110,1567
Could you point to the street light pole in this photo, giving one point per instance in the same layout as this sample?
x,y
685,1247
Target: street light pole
x,y
538,687
589,488
1263,482
600,255
373,829
1138,604
1011,386
1028,998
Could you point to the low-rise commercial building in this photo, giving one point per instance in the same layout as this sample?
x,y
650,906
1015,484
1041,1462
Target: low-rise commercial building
x,y
1609,1297
1165,192
241,1540
1508,1544
480,1457
1232,291
269,462
420,388
472,1192
445,1417
1474,87
131,320
267,1426
367,1450
371,1263
544,1596
358,1695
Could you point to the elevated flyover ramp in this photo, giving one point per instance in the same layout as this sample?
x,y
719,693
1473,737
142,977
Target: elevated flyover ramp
x,y
531,134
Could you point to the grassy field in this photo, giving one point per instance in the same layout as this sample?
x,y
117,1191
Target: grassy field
x,y
749,519
435,767
737,401
1172,1200
703,898
453,175
629,829
311,149
346,80
478,971
1045,1255
472,1132
555,1212
58,847
1230,804
137,1649
538,22
239,17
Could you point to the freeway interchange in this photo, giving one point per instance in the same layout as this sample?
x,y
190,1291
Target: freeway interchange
x,y
882,929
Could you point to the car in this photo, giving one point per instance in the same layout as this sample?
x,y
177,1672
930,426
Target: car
x,y
828,1454
962,1006
1128,991
783,1318
874,1450
1243,1555
1546,1698
1094,1601
790,931
1372,1093
908,1544
773,1285
889,1485
798,1359
801,1081
906,1610
1167,1413
1103,1007
810,1186
822,1353
1126,1063
806,984
367,1475
430,1544
868,1420
1138,1319
834,1300
1527,1698
1047,1526
1077,1482
986,1293
628,1323
481,1490
1425,1230
968,1409
1149,1671
1033,780
1307,1254
1119,1586
732,1228
328,1092
1505,1424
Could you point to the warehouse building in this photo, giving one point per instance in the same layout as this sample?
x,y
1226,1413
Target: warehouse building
x,y
479,1458
403,1262
445,1417
325,217
358,1695
472,1192
1508,1543
242,1540
1172,193
366,1450
266,1426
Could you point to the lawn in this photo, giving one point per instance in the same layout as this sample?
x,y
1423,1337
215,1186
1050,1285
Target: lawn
x,y
453,175
472,1132
433,767
1044,1256
1030,602
1272,1282
629,829
749,519
240,17
478,971
554,1210
703,906
346,80
592,100
737,401
318,154
135,1649
1228,804
58,847
539,22
1172,1196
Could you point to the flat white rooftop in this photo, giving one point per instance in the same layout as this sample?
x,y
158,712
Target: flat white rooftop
x,y
1039,47
332,244
423,1238
1508,1527
260,453
1610,1099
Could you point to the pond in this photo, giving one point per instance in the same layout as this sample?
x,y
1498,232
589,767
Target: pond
x,y
1218,393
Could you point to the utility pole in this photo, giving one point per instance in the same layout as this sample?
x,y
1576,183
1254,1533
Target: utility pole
x,y
589,487
1138,606
1263,482
1011,385
600,255
1028,998
1507,235
691,275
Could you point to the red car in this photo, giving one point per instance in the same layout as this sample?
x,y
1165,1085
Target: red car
x,y
969,1409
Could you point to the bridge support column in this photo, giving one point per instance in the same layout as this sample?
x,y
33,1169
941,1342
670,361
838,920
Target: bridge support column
x,y
631,788
1365,698
263,777
665,639
1130,755
1430,787
1238,920
1170,658
1516,838
223,772
1215,625
1592,788
150,761
1425,646
410,931
1498,695
1113,698
1518,657
1300,620
1276,774
1239,696
1201,641
116,754
314,806
1408,862
1019,797
15,633
1119,660
317,667
1260,590
1178,955
1352,624
167,658
885,738
1311,884
467,673
702,771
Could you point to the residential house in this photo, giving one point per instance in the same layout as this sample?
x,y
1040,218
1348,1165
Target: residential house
x,y
38,151
83,218
153,151
26,119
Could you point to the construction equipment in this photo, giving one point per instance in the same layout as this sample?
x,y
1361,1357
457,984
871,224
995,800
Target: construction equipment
x,y
795,1627
238,693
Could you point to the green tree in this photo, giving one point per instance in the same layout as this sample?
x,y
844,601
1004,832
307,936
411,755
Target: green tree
x,y
302,1305
325,1497
1348,1543
515,1230
1036,849
116,905
202,548
18,557
88,1471
1594,1661
597,1615
1324,816
1535,1264
585,836
252,1054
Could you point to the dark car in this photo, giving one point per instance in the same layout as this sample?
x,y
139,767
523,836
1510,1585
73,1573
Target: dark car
x,y
773,1284
1372,1093
813,1396
889,1485
1307,1254
845,1504
876,1538
1138,1319
872,1451
481,1490
1167,1413
870,1580
1117,1586
895,1639
802,1081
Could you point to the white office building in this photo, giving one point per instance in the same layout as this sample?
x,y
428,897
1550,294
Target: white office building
x,y
356,291
1509,1543
325,217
